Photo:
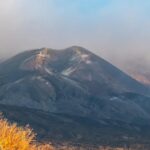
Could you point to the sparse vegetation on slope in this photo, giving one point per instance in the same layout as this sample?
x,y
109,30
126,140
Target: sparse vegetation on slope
x,y
13,137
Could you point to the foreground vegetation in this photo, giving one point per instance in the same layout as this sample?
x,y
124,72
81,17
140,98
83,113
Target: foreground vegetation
x,y
13,137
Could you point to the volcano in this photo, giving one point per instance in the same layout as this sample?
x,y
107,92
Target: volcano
x,y
75,87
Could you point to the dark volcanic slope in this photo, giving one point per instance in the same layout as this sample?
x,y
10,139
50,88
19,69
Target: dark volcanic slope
x,y
72,82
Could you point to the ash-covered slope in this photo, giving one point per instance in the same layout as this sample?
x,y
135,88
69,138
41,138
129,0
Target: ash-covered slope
x,y
72,81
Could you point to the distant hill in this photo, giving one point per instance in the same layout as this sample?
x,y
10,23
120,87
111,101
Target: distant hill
x,y
140,72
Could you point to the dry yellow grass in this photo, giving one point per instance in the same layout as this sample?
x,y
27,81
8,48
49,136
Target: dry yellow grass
x,y
13,137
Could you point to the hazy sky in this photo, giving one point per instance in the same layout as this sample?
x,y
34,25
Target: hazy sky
x,y
114,29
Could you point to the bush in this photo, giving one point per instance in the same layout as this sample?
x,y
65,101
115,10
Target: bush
x,y
13,137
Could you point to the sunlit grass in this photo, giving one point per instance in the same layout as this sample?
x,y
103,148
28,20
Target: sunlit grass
x,y
13,137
